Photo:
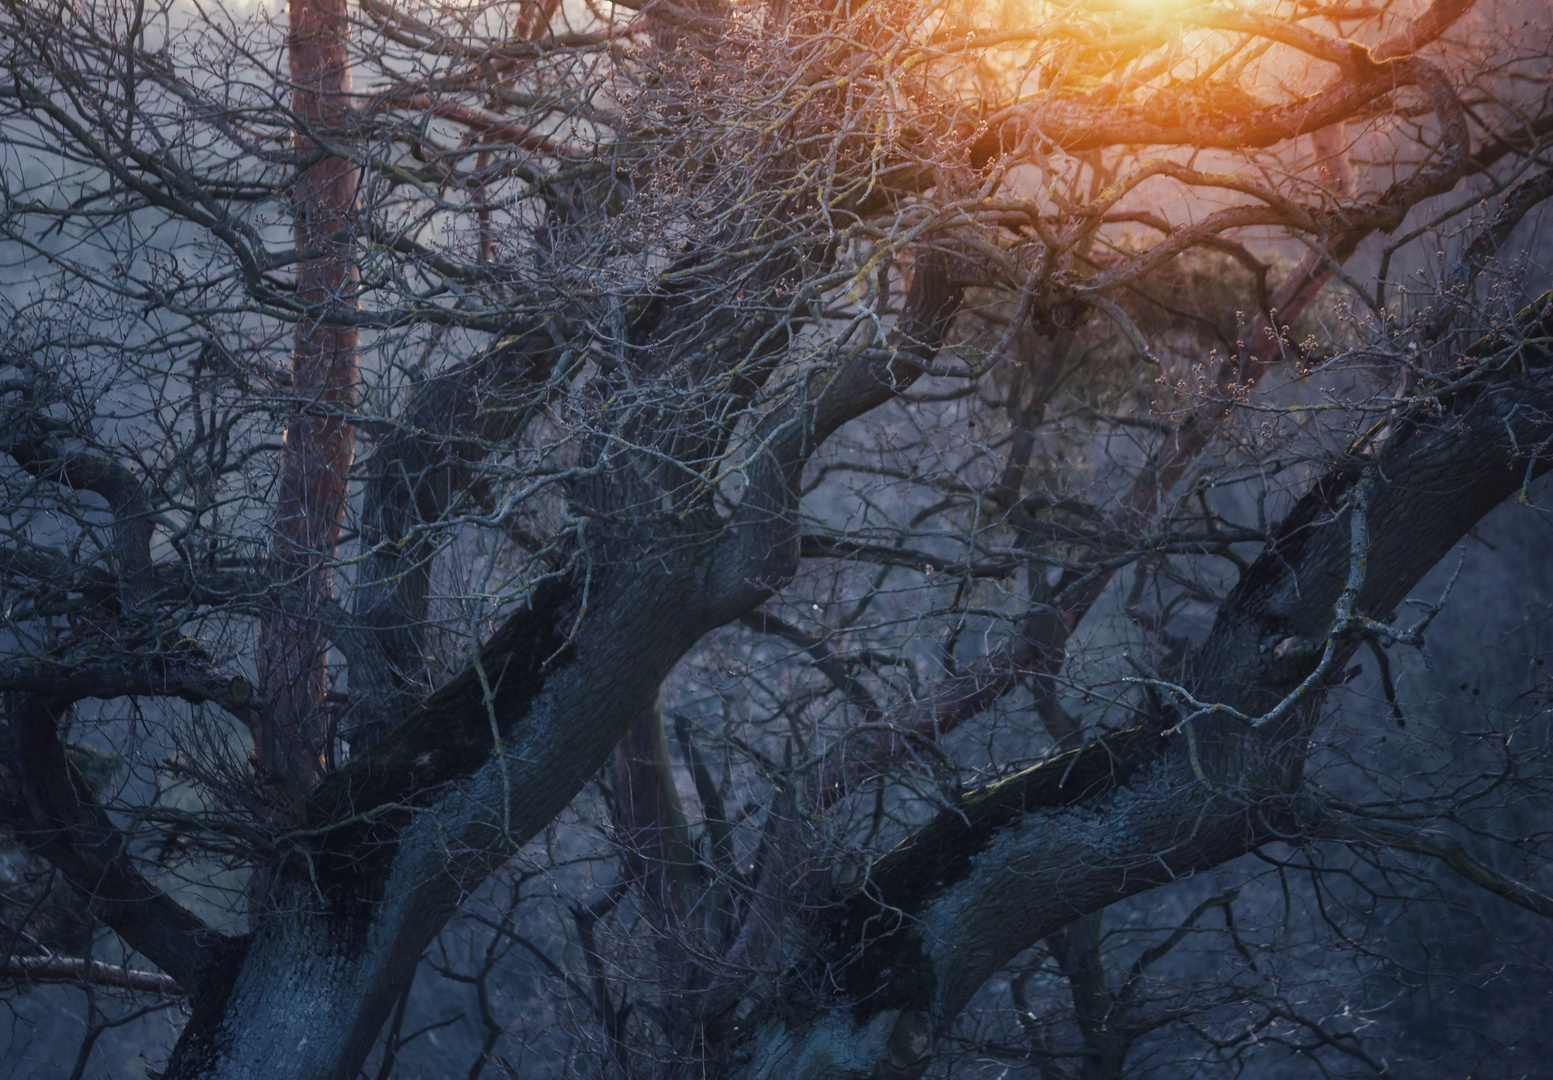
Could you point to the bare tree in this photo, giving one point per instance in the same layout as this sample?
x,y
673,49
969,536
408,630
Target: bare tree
x,y
963,446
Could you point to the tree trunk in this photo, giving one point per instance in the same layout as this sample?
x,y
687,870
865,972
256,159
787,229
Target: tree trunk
x,y
316,460
349,915
410,827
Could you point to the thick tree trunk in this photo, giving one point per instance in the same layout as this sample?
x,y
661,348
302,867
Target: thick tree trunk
x,y
402,833
435,811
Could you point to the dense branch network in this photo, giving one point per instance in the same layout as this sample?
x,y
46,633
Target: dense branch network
x,y
668,318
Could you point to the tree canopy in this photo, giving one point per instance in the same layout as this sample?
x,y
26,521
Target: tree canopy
x,y
770,527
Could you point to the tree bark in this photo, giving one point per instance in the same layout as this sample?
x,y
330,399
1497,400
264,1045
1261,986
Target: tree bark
x,y
316,459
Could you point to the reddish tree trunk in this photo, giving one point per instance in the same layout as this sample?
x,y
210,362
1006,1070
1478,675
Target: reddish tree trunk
x,y
316,461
